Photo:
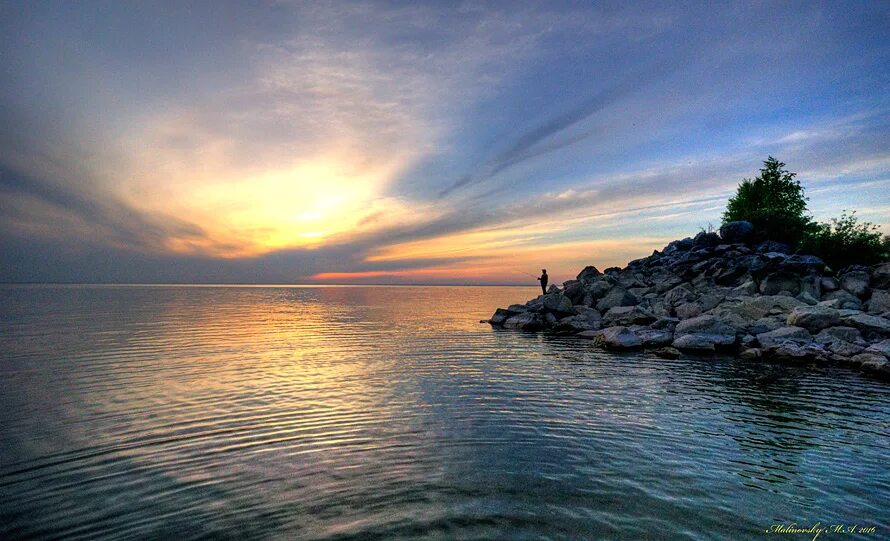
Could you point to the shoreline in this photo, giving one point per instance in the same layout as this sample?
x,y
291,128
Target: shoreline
x,y
727,294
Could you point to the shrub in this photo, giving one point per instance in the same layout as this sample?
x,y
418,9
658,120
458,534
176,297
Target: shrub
x,y
846,241
773,202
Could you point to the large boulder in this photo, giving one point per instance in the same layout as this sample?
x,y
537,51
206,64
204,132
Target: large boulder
x,y
736,232
588,273
655,337
872,362
856,283
713,328
576,324
617,296
557,302
779,282
699,343
757,307
797,335
814,318
847,334
845,299
869,325
614,338
527,321
881,348
706,239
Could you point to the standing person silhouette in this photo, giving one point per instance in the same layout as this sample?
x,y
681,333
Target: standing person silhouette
x,y
543,279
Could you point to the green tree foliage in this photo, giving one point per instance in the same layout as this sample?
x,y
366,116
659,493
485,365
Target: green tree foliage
x,y
773,202
846,241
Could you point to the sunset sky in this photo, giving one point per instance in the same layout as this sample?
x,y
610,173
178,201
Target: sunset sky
x,y
316,142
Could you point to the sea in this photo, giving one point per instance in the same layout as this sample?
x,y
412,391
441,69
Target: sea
x,y
377,412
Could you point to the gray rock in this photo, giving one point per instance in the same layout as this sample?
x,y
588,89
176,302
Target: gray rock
x,y
869,325
696,342
706,239
557,302
844,349
736,232
705,329
679,295
655,337
872,362
856,283
757,307
549,319
588,273
828,284
788,351
807,299
880,276
500,316
575,324
614,338
747,288
617,297
667,353
688,310
627,315
881,348
845,298
527,321
782,335
813,318
774,284
847,334
766,324
751,354
879,302
772,246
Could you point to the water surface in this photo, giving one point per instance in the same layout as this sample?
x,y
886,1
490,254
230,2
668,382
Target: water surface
x,y
391,413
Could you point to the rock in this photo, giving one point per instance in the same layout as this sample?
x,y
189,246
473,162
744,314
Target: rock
x,y
782,335
845,299
844,349
552,289
517,308
788,351
500,316
627,315
806,298
773,246
880,276
847,334
527,321
778,282
856,283
557,302
667,353
706,239
872,362
879,302
574,290
598,288
747,288
655,337
549,319
617,297
665,323
575,324
679,295
869,325
615,338
701,343
588,273
751,354
881,348
813,318
736,232
827,283
757,307
695,333
766,324
688,310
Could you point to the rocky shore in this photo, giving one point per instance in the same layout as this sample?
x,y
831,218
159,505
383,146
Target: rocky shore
x,y
723,293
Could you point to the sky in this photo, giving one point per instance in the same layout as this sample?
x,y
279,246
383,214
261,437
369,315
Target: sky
x,y
408,143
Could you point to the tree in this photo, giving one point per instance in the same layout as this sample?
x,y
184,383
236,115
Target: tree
x,y
845,241
773,202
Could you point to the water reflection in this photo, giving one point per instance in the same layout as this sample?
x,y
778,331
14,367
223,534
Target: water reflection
x,y
391,412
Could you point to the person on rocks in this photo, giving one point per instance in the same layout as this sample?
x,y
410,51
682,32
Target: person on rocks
x,y
543,279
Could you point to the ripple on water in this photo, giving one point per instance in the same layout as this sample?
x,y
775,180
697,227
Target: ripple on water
x,y
378,412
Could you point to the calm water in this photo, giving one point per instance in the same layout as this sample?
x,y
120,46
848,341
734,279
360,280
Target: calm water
x,y
390,412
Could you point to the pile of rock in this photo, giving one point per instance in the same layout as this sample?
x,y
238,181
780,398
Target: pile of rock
x,y
723,292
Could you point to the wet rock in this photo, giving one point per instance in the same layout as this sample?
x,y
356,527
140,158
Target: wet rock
x,y
696,333
844,349
848,334
736,232
654,337
872,362
500,316
782,335
527,321
667,353
751,354
814,318
881,348
614,338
